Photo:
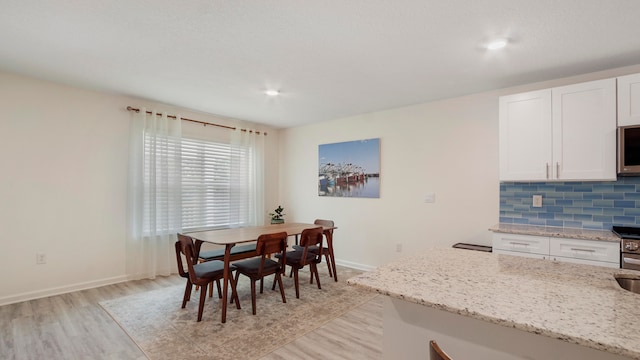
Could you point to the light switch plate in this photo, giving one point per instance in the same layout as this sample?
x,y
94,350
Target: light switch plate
x,y
430,197
537,201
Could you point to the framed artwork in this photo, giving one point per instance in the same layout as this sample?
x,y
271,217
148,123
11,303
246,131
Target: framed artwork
x,y
349,169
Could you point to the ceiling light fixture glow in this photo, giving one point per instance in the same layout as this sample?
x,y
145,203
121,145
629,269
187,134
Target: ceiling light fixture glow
x,y
272,92
497,44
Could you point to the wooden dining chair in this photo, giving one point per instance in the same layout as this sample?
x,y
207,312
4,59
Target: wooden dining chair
x,y
218,254
183,274
298,259
436,353
327,251
200,274
262,265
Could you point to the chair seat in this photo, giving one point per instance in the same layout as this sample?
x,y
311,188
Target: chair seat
x,y
312,249
252,266
218,254
295,257
211,268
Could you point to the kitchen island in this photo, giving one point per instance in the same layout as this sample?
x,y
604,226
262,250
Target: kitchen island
x,y
487,306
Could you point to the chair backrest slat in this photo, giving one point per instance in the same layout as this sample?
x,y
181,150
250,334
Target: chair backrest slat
x,y
327,223
272,244
183,273
311,237
187,249
436,353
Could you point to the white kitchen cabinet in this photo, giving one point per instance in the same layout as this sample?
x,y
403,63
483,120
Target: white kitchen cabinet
x,y
591,252
584,131
522,254
581,251
525,135
563,133
629,100
526,244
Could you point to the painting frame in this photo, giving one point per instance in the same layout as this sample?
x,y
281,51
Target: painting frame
x,y
349,169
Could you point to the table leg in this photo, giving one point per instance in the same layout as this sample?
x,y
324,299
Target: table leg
x,y
225,288
329,236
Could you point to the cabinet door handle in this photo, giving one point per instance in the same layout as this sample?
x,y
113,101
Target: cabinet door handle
x,y
585,250
518,243
547,170
557,170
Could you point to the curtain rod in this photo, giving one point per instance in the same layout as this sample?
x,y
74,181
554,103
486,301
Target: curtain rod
x,y
129,108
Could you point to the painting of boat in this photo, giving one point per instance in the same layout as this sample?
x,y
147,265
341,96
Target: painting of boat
x,y
349,169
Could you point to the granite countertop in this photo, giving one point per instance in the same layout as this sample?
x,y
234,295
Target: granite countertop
x,y
581,304
602,235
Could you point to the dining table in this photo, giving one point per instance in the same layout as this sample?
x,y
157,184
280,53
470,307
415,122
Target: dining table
x,y
233,236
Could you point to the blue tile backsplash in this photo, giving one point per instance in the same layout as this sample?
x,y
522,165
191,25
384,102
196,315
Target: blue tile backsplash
x,y
585,205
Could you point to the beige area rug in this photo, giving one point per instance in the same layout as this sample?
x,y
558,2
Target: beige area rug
x,y
163,330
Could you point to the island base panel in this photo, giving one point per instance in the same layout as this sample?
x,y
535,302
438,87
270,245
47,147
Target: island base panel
x,y
408,327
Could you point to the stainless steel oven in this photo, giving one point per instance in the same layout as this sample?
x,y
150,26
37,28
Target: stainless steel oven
x,y
630,261
630,246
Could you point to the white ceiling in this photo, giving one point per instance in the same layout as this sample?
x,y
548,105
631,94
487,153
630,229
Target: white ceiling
x,y
329,58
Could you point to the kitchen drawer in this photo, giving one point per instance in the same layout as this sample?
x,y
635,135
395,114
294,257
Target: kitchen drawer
x,y
521,254
615,265
521,243
591,250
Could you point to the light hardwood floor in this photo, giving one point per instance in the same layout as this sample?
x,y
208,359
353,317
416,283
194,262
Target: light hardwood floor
x,y
74,326
355,335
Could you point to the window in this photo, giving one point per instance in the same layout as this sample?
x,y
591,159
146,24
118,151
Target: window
x,y
213,194
213,184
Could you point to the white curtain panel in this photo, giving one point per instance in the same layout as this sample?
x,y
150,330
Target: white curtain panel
x,y
154,209
247,162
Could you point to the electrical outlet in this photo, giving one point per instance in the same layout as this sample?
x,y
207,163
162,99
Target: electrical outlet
x,y
537,201
398,247
41,258
430,197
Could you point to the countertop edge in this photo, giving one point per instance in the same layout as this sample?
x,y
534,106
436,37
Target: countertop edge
x,y
573,233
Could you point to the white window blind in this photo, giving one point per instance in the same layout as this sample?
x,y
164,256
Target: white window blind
x,y
214,193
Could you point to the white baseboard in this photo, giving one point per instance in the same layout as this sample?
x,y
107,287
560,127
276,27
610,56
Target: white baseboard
x,y
354,265
38,294
31,295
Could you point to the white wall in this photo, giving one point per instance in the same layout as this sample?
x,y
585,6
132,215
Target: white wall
x,y
448,147
63,162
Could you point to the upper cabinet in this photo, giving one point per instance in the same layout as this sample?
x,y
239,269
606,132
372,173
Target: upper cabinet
x,y
584,131
525,135
629,100
561,134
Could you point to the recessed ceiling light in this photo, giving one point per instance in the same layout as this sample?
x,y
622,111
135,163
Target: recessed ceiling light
x,y
272,92
497,44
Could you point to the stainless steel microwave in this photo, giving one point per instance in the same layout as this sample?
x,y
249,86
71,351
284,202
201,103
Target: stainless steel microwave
x,y
629,150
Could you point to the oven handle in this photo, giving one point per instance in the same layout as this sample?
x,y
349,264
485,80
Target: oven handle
x,y
631,261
